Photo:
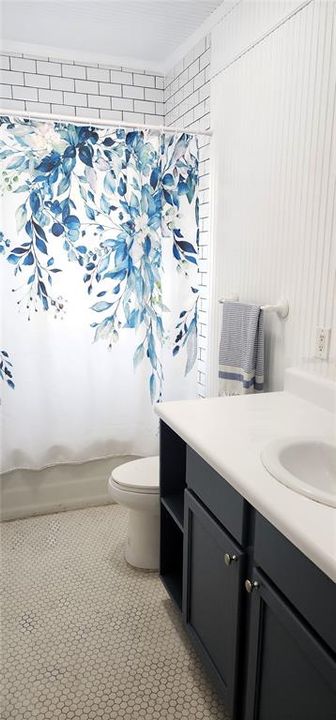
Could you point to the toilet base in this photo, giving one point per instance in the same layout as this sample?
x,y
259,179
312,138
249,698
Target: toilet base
x,y
142,546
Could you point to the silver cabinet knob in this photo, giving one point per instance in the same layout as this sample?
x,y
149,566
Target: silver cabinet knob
x,y
251,585
228,559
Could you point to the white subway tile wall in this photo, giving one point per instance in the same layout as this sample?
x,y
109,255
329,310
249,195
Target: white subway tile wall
x,y
51,85
186,98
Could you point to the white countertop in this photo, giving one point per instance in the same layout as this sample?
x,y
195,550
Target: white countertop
x,y
229,433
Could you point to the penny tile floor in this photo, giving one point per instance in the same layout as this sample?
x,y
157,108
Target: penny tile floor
x,y
84,635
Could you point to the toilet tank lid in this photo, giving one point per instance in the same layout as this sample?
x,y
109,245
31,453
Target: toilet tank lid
x,y
138,475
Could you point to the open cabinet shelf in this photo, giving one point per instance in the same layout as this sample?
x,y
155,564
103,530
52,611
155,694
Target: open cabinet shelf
x,y
172,487
171,556
175,505
173,585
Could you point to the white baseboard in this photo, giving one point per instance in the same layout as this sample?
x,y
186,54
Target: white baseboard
x,y
25,493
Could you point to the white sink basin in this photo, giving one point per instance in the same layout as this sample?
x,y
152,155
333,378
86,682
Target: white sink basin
x,y
306,465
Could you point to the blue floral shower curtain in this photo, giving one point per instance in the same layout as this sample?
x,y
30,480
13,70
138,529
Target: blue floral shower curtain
x,y
98,242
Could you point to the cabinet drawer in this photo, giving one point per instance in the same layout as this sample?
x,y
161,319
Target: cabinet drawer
x,y
219,497
311,592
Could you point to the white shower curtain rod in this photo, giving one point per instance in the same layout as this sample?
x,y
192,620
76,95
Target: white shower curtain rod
x,y
99,121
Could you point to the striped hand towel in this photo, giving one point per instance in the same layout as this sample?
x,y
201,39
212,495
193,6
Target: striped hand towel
x,y
241,350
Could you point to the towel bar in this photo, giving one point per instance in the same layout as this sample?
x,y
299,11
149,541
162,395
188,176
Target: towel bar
x,y
281,308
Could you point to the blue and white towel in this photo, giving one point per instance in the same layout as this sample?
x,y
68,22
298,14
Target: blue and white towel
x,y
241,350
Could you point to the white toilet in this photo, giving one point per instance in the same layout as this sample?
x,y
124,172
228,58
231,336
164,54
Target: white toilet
x,y
135,485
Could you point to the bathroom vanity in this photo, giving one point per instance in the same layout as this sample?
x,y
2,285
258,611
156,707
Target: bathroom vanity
x,y
250,564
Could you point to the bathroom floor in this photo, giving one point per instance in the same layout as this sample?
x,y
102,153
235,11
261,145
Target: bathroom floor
x,y
85,635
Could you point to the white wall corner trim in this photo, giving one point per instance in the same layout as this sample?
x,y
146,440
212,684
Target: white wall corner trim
x,y
207,27
246,26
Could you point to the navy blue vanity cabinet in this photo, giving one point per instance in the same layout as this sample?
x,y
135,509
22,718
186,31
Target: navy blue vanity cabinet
x,y
291,669
308,590
291,675
261,614
215,557
212,595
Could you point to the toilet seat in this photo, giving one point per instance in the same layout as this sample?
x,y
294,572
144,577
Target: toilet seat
x,y
138,476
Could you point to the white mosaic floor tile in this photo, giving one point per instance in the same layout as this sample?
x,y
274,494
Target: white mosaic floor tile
x,y
84,635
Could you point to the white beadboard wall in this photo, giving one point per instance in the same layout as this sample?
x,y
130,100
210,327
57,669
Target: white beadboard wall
x,y
274,174
61,87
187,97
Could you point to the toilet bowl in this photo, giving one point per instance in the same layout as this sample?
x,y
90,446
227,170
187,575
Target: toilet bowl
x,y
135,485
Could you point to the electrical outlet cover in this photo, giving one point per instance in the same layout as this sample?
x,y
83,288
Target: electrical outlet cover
x,y
322,343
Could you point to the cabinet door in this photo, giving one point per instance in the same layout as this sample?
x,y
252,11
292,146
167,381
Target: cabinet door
x,y
211,594
291,676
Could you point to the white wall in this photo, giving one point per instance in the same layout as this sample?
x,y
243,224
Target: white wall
x,y
274,163
187,105
52,85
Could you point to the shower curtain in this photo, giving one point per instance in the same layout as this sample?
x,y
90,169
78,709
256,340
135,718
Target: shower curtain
x,y
98,243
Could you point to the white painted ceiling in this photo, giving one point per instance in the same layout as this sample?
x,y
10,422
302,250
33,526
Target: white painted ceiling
x,y
146,33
